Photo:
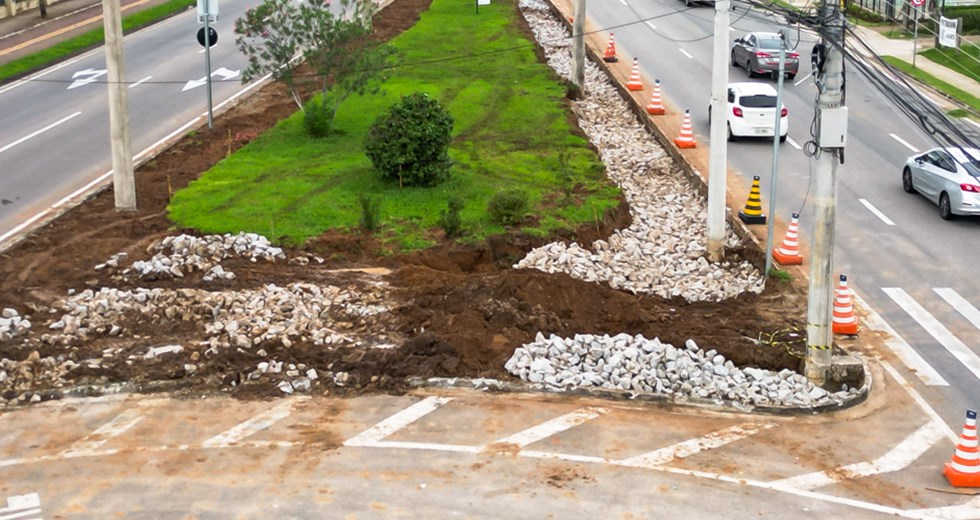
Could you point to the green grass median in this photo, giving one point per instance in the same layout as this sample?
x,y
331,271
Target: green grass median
x,y
960,95
511,123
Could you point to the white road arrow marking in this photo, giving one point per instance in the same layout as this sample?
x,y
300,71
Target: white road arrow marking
x,y
224,73
87,76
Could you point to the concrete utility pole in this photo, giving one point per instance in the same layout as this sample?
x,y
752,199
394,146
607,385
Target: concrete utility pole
x,y
718,152
123,181
578,45
831,136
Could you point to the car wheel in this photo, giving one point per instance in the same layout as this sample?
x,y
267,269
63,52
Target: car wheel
x,y
791,77
731,136
687,3
748,69
945,211
782,138
907,180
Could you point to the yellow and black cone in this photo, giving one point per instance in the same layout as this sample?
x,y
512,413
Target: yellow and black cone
x,y
752,214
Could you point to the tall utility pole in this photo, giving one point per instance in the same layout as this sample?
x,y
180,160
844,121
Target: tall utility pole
x,y
123,181
578,45
831,136
718,152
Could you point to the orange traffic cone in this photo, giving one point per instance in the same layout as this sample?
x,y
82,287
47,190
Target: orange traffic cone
x,y
635,83
656,106
964,469
788,253
610,55
844,320
686,139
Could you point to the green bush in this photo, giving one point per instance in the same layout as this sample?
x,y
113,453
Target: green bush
x,y
370,212
449,220
316,118
970,15
508,207
410,143
860,13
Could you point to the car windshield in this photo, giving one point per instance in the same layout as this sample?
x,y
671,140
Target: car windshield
x,y
770,43
758,101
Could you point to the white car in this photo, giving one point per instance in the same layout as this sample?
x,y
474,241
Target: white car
x,y
752,111
949,177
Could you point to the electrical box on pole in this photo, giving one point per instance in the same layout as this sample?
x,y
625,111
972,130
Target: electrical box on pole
x,y
833,127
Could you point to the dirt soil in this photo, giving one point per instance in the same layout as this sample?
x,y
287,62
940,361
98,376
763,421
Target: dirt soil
x,y
457,311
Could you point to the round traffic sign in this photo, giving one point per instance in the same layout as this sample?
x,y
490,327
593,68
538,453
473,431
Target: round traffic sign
x,y
212,36
918,3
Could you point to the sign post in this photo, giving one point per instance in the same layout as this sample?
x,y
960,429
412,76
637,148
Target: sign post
x,y
205,10
916,4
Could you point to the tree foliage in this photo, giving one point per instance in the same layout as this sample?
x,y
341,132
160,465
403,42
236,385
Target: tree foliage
x,y
410,143
277,35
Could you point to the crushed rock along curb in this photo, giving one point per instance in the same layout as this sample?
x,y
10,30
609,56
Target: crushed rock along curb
x,y
663,252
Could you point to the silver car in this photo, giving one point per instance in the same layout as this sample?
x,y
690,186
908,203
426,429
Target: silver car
x,y
949,177
758,53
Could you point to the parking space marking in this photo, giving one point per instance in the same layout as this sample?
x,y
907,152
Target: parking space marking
x,y
93,441
899,457
928,322
899,346
904,143
552,426
959,303
253,425
693,446
876,212
396,422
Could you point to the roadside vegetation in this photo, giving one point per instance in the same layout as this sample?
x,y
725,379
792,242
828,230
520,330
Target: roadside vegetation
x,y
960,95
514,156
89,40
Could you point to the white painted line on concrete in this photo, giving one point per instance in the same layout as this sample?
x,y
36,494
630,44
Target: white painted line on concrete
x,y
967,511
567,457
960,304
22,225
253,425
801,80
426,446
140,81
18,502
38,132
904,143
898,458
552,426
650,24
955,347
685,53
876,212
21,514
899,346
692,446
93,441
398,421
793,143
64,200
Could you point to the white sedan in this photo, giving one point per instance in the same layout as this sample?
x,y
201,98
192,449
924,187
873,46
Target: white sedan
x,y
949,177
751,111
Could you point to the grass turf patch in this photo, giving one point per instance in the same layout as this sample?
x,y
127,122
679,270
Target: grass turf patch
x,y
964,97
965,60
511,122
93,38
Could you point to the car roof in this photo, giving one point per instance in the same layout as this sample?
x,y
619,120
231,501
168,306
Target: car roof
x,y
766,35
749,88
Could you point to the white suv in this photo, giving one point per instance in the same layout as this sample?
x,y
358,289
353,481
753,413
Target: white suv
x,y
752,111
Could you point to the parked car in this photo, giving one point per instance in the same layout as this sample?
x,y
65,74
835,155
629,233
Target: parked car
x,y
758,53
751,111
949,177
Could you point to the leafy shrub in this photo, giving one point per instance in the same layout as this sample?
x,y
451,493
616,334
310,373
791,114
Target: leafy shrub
x,y
410,143
970,15
370,212
508,207
317,118
449,220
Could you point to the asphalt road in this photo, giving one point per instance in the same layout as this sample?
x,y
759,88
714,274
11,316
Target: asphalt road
x,y
893,246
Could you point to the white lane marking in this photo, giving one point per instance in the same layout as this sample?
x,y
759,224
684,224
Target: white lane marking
x,y
22,225
876,211
904,143
960,304
967,511
21,514
650,24
93,441
685,53
692,446
793,143
905,353
534,454
801,80
38,132
552,426
623,2
253,425
898,458
955,347
398,421
140,81
18,502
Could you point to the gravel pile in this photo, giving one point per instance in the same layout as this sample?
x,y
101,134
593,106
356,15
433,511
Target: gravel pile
x,y
12,324
664,251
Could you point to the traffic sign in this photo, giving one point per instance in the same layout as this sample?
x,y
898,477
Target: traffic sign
x,y
209,7
212,36
918,3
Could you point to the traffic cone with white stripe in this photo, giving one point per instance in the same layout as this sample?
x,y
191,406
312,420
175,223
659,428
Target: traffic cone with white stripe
x,y
635,83
610,55
964,469
844,320
752,214
686,139
788,253
656,106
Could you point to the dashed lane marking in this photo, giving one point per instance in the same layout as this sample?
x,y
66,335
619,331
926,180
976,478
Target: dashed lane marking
x,y
39,132
876,212
685,53
793,143
904,143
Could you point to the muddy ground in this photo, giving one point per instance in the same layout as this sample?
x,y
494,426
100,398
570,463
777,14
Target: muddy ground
x,y
456,311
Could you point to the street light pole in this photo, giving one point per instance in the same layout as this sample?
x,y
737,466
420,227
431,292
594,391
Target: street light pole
x,y
718,151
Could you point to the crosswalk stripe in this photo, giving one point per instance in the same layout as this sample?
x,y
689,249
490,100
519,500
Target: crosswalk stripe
x,y
396,422
22,514
552,426
253,425
18,502
117,426
960,304
690,447
955,347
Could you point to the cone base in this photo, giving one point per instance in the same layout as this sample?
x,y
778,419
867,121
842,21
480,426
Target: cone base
x,y
656,111
787,259
685,144
960,479
849,329
634,86
751,219
610,59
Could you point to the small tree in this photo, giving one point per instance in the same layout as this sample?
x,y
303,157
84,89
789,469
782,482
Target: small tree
x,y
410,143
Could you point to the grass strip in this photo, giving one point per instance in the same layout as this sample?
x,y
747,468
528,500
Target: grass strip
x,y
958,94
